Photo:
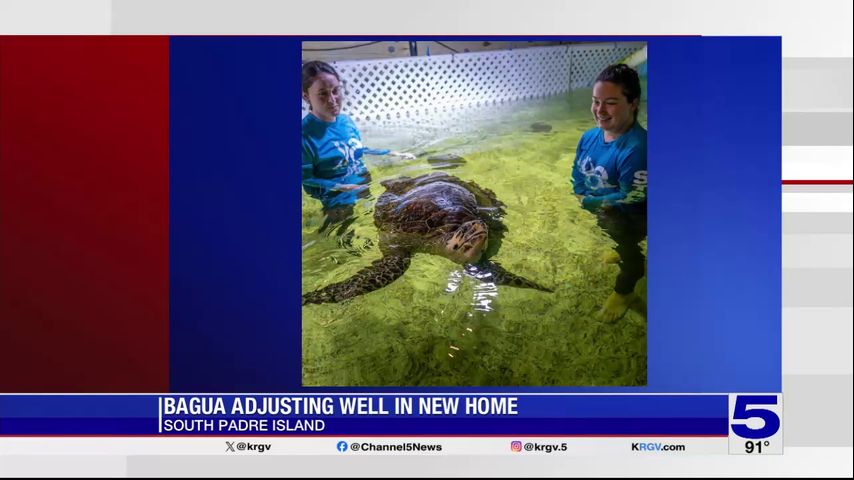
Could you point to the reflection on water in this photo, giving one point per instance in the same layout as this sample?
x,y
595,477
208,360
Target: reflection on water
x,y
446,324
455,278
484,290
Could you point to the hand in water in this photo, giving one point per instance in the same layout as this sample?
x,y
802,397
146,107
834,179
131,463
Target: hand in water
x,y
349,187
405,156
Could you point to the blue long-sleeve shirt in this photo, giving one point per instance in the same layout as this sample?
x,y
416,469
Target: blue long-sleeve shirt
x,y
611,174
331,155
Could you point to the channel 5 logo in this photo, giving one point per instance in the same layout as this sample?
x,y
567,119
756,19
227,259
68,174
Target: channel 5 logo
x,y
516,446
760,407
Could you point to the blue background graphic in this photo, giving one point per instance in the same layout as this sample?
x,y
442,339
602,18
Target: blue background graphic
x,y
714,264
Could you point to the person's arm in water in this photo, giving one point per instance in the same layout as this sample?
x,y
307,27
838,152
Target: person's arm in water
x,y
371,151
578,187
313,182
376,151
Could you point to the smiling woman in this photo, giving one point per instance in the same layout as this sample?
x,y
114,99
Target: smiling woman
x,y
613,111
609,177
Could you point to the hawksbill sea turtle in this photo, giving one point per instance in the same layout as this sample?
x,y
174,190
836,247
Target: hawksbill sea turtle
x,y
437,214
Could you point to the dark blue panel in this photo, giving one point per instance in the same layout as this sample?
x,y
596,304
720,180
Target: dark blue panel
x,y
78,426
83,406
234,214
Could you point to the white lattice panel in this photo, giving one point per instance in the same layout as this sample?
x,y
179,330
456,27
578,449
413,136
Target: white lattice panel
x,y
401,89
588,60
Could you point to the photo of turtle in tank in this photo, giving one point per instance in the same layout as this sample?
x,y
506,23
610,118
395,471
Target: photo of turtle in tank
x,y
437,214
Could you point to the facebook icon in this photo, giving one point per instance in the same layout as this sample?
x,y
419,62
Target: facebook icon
x,y
342,446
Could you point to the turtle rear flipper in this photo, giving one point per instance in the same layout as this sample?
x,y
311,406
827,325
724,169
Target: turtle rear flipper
x,y
493,272
379,274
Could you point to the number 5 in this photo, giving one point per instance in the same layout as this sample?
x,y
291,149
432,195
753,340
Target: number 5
x,y
742,412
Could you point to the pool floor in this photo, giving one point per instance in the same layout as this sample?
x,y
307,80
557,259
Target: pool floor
x,y
435,326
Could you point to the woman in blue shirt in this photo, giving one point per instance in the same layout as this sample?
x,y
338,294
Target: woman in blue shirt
x,y
609,177
332,167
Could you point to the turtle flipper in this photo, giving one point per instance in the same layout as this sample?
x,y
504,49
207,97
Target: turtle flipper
x,y
493,272
379,274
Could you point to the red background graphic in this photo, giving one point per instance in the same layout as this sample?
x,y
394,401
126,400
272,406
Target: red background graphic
x,y
84,214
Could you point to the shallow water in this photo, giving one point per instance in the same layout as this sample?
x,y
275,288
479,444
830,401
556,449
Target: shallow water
x,y
435,326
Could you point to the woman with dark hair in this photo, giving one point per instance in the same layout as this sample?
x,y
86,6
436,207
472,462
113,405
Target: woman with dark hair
x,y
332,167
609,176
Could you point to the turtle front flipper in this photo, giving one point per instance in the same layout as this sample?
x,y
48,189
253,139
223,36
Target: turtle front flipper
x,y
495,273
379,274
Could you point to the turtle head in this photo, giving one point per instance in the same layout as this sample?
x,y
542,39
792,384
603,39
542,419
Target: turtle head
x,y
467,243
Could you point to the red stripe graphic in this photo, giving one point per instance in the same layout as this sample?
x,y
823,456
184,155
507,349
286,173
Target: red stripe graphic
x,y
818,182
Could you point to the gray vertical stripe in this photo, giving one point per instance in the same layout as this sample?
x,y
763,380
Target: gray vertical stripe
x,y
817,84
112,26
818,188
794,223
818,129
817,410
818,341
817,287
815,250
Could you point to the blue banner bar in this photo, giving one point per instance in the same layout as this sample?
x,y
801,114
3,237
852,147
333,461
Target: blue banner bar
x,y
369,414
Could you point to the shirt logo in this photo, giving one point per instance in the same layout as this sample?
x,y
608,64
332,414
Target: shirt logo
x,y
594,177
348,153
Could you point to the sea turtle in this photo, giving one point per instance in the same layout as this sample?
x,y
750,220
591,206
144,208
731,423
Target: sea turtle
x,y
437,214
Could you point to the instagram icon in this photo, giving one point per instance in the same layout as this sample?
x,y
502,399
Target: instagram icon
x,y
516,446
